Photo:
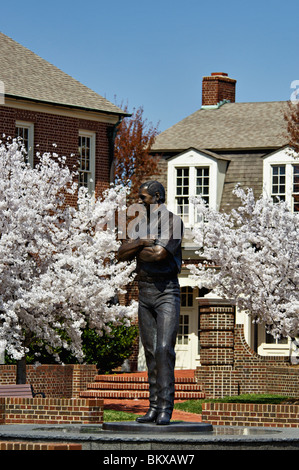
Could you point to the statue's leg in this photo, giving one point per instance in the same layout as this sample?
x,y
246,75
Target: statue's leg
x,y
148,334
168,310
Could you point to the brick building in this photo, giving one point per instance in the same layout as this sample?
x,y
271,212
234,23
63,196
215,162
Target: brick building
x,y
45,106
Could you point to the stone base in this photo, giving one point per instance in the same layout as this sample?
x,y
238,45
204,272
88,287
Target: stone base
x,y
93,437
153,428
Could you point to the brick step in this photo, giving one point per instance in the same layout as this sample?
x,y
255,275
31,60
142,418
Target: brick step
x,y
133,378
137,386
134,386
136,394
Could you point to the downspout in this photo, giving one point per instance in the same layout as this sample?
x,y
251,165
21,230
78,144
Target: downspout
x,y
112,132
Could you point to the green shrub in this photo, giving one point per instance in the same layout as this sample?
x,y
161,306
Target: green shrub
x,y
108,351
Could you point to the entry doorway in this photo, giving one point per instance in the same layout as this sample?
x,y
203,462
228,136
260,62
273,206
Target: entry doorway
x,y
187,346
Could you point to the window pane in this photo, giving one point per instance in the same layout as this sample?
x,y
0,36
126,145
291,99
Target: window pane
x,y
202,183
182,181
84,160
182,193
296,188
278,188
271,340
183,333
23,132
186,297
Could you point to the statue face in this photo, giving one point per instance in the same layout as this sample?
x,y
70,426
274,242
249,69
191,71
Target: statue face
x,y
146,199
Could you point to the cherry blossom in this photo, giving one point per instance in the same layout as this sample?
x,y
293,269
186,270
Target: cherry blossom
x,y
57,262
251,256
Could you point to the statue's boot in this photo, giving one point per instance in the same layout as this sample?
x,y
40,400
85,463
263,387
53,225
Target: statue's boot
x,y
149,417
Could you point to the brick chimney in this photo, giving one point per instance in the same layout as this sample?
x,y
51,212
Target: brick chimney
x,y
216,88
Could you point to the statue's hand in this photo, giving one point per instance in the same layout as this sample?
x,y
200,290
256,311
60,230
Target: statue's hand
x,y
150,241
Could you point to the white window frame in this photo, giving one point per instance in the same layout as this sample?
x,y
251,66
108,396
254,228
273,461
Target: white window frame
x,y
280,182
189,216
30,127
91,178
275,348
194,159
284,157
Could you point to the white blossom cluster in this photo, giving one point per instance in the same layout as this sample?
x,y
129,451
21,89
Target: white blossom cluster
x,y
251,256
57,262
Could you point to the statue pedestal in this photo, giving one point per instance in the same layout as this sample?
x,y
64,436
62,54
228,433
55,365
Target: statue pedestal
x,y
153,428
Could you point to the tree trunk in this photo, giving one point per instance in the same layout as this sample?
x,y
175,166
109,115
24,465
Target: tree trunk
x,y
21,371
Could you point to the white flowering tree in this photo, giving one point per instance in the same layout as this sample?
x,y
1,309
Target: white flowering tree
x,y
57,268
251,255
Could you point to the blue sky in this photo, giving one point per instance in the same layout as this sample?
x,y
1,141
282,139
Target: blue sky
x,y
155,53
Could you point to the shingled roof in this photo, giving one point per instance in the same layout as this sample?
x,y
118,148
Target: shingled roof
x,y
28,76
231,126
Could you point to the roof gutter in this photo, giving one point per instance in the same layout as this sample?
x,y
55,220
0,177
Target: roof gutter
x,y
112,132
71,106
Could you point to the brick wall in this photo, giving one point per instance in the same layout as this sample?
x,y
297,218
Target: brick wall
x,y
283,380
240,414
218,381
50,411
248,372
254,369
56,381
22,445
63,131
230,367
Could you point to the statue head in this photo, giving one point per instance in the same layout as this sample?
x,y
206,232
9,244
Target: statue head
x,y
155,189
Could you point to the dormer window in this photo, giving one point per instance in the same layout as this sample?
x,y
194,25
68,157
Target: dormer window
x,y
281,178
194,173
191,181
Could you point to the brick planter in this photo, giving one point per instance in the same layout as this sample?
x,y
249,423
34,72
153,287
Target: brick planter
x,y
242,414
55,380
50,411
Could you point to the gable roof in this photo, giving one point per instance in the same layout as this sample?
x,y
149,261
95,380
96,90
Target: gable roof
x,y
202,151
28,76
231,126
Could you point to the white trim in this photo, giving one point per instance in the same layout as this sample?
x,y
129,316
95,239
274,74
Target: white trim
x,y
186,281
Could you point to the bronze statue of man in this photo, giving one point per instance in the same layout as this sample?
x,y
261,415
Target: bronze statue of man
x,y
157,250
